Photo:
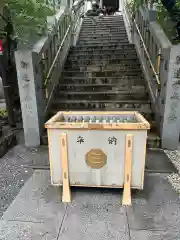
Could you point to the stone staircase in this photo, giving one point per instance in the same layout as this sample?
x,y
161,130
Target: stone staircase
x,y
103,73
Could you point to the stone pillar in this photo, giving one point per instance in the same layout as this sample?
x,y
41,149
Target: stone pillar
x,y
29,96
170,126
120,5
88,6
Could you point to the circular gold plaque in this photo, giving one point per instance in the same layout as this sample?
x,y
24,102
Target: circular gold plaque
x,y
96,158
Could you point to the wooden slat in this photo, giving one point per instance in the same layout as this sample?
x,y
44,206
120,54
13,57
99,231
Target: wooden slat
x,y
144,162
142,119
98,126
128,168
66,195
123,126
97,112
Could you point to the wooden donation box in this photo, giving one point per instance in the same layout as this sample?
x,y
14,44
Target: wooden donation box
x,y
97,149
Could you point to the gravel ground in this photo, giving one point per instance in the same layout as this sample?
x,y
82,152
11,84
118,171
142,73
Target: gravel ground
x,y
174,178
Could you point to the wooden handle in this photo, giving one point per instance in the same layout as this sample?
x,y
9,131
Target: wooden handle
x,y
128,168
66,196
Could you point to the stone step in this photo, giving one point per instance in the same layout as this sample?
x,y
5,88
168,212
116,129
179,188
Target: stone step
x,y
135,72
103,26
99,31
103,52
119,81
100,87
91,60
102,29
119,56
100,42
101,67
103,37
123,39
99,22
142,106
64,99
103,45
104,19
108,17
101,62
125,47
137,96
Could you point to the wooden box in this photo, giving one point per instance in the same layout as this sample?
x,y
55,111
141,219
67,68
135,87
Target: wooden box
x,y
97,149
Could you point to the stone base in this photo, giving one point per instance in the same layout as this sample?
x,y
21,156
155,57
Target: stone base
x,y
7,141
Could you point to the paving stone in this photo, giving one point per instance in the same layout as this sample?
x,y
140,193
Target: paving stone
x,y
12,177
37,202
8,193
154,235
95,214
14,230
37,156
153,208
14,152
158,161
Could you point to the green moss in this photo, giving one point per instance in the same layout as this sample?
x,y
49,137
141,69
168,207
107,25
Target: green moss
x,y
3,113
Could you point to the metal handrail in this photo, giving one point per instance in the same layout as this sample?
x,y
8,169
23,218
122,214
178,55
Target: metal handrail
x,y
156,73
61,45
56,57
159,62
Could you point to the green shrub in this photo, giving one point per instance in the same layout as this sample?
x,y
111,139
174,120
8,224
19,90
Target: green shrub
x,y
168,18
28,18
165,20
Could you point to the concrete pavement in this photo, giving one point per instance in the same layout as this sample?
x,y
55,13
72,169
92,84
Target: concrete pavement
x,y
38,214
32,209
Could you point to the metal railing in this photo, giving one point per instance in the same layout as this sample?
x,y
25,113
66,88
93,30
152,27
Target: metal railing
x,y
156,72
150,53
155,68
53,52
56,57
73,15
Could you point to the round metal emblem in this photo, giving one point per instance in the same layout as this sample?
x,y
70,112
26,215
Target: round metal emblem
x,y
96,158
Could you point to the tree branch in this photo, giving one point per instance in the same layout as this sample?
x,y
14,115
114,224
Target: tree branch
x,y
4,18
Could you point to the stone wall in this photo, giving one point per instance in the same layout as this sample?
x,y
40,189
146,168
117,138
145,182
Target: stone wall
x,y
39,71
160,64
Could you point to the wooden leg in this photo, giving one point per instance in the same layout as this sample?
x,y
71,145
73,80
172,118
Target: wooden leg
x,y
128,165
66,193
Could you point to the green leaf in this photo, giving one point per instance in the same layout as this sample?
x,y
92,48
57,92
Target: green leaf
x,y
29,18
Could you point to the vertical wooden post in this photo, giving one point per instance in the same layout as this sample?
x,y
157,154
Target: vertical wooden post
x,y
66,195
128,168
